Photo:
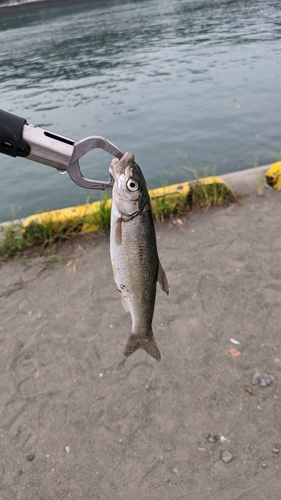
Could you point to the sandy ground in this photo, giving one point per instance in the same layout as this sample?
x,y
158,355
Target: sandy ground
x,y
79,420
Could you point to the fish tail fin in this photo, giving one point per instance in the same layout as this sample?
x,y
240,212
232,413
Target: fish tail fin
x,y
148,344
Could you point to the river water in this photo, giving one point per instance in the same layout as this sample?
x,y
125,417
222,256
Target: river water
x,y
180,83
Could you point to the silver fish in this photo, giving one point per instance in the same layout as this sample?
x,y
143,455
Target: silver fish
x,y
135,262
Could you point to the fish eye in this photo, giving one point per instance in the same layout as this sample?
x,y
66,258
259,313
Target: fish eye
x,y
132,185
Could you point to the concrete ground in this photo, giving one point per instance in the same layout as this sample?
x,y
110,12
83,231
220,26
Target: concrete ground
x,y
79,420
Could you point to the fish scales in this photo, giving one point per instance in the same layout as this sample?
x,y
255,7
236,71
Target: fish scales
x,y
136,266
134,256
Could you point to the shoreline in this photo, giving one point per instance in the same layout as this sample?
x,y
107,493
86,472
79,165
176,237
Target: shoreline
x,y
37,4
241,182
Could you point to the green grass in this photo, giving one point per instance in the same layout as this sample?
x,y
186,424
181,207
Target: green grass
x,y
100,218
276,154
254,163
202,194
210,195
18,239
167,206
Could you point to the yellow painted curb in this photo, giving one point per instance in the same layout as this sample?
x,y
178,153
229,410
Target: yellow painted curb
x,y
71,215
273,175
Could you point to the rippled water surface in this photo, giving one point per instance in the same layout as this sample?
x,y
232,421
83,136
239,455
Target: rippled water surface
x,y
179,83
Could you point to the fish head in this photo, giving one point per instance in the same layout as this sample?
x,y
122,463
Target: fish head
x,y
129,193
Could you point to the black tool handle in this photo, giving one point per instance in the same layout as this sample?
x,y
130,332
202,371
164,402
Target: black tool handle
x,y
11,141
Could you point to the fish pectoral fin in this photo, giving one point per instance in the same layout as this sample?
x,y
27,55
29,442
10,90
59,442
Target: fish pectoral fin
x,y
118,232
147,343
163,282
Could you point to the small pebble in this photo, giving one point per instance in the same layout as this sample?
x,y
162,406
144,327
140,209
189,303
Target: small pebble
x,y
275,451
224,440
30,457
212,439
265,381
233,341
256,378
264,465
227,457
67,449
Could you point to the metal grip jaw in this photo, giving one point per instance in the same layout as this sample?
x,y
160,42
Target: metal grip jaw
x,y
18,138
64,154
80,149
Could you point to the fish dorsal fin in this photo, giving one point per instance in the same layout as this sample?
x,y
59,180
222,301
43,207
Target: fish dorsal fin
x,y
162,279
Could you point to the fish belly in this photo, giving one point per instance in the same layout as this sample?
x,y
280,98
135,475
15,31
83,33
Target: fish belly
x,y
135,268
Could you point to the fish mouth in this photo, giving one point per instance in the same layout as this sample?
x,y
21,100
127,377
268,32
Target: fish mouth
x,y
118,167
111,168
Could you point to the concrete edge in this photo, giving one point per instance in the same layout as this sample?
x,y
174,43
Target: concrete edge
x,y
249,181
244,182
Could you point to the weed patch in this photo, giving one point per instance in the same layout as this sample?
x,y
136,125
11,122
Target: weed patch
x,y
209,193
18,238
99,219
167,206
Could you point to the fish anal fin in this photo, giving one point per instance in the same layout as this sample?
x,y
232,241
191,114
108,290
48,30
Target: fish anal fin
x,y
163,282
147,343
